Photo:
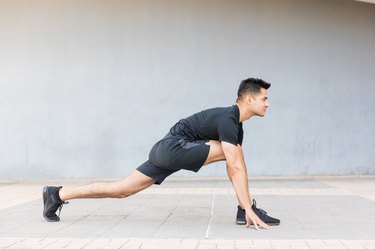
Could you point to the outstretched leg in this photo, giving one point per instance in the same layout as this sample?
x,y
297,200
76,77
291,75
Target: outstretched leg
x,y
55,197
130,185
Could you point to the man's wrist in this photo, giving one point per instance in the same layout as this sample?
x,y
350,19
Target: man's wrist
x,y
247,208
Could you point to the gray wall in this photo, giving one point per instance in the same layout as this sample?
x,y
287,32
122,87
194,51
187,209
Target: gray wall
x,y
87,87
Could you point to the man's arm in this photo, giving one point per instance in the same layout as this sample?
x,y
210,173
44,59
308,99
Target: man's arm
x,y
237,173
244,163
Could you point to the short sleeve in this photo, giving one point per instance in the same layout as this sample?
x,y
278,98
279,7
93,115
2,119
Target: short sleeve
x,y
228,131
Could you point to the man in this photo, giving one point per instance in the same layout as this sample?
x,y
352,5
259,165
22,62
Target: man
x,y
208,136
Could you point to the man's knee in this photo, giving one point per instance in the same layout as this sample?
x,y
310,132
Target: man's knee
x,y
119,190
131,185
121,194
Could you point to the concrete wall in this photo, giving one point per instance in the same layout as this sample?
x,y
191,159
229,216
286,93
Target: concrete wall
x,y
87,87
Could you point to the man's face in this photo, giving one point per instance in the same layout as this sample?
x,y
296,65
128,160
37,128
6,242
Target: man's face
x,y
259,103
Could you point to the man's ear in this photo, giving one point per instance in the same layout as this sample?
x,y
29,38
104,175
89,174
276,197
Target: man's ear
x,y
249,99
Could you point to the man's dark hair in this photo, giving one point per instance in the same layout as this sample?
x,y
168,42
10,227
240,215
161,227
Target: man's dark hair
x,y
252,86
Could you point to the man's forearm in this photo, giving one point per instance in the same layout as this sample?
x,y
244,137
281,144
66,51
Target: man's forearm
x,y
238,177
236,169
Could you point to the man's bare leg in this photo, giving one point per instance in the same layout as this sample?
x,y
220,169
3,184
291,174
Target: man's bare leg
x,y
216,152
130,185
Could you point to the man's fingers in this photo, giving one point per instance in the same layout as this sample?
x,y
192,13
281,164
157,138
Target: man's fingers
x,y
262,224
259,223
248,222
256,226
254,221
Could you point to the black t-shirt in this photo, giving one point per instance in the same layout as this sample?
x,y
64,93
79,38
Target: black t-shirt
x,y
221,123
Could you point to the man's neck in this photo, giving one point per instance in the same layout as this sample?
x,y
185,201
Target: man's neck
x,y
245,114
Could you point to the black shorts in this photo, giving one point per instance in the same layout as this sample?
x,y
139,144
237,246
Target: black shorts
x,y
172,154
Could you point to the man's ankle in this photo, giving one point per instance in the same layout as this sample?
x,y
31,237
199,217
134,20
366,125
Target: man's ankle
x,y
57,195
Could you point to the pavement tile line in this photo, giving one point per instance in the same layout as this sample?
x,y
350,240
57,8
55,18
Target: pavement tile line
x,y
357,186
11,193
144,243
255,191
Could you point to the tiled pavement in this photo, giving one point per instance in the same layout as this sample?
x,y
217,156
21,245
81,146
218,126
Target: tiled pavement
x,y
198,213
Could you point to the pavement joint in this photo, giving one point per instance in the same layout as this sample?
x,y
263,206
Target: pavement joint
x,y
210,218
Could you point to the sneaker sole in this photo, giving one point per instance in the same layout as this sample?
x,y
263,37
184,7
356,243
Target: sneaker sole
x,y
270,224
240,222
273,224
45,196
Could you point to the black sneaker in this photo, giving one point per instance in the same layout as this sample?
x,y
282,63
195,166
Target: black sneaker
x,y
241,219
51,203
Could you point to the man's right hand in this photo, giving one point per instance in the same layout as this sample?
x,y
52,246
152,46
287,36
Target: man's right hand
x,y
252,218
